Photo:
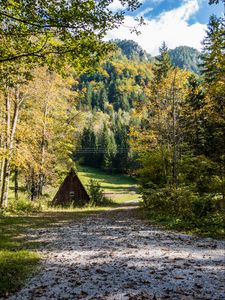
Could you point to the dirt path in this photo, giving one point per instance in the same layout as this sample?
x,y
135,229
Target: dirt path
x,y
114,256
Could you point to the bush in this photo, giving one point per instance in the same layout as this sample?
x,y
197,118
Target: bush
x,y
97,195
203,206
24,205
169,201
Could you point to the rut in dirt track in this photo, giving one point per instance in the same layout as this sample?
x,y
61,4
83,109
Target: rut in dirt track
x,y
113,255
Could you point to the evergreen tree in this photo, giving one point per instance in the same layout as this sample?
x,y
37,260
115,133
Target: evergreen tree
x,y
88,150
213,65
163,63
108,148
192,119
122,157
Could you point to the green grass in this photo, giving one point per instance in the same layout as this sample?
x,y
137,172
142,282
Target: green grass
x,y
14,268
119,188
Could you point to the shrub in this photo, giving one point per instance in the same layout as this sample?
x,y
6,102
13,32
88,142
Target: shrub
x,y
169,200
97,195
203,206
24,205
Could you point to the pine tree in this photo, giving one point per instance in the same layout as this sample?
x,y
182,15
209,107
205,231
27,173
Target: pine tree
x,y
163,63
213,65
108,148
213,58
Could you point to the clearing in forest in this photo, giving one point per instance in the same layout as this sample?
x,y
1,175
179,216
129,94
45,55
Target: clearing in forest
x,y
117,187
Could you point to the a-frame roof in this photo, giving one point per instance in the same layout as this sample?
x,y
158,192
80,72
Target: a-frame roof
x,y
71,191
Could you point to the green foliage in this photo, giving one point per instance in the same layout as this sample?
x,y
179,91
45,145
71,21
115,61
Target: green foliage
x,y
185,57
213,50
71,31
15,268
169,200
152,172
203,206
163,63
182,169
212,225
96,194
24,206
183,209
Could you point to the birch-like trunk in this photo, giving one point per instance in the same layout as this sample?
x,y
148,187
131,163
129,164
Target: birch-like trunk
x,y
2,147
43,142
7,139
16,184
174,132
10,136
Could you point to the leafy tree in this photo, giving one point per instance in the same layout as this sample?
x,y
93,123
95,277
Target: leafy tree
x,y
214,1
121,160
70,30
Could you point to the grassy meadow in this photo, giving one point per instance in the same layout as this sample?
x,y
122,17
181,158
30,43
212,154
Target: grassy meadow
x,y
119,188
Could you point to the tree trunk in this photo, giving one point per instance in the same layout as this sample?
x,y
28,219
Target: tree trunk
x,y
7,142
174,134
16,184
10,134
43,142
2,165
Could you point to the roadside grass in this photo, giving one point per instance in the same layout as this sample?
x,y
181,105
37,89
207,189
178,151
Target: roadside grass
x,y
18,251
210,226
119,188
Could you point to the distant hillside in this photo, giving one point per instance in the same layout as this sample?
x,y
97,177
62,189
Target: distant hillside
x,y
185,57
132,50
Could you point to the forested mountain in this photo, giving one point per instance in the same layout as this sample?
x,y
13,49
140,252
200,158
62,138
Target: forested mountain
x,y
183,57
186,58
132,50
108,99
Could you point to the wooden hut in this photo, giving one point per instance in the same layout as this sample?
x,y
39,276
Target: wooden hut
x,y
71,191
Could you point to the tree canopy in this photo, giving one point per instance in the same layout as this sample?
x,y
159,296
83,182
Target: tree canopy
x,y
72,30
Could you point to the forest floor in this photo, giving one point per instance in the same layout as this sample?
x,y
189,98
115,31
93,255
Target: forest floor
x,y
115,255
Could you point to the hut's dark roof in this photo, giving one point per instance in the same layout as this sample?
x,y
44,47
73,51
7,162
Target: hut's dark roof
x,y
71,191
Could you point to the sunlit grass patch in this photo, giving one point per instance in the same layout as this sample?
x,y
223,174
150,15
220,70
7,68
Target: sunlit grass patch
x,y
119,188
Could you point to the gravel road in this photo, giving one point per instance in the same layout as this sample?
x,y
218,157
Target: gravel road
x,y
113,255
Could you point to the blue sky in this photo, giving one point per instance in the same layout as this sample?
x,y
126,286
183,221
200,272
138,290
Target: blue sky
x,y
177,22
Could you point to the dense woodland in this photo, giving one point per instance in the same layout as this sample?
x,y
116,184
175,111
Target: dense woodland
x,y
111,106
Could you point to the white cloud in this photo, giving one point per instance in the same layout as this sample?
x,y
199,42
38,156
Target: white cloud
x,y
115,5
171,26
